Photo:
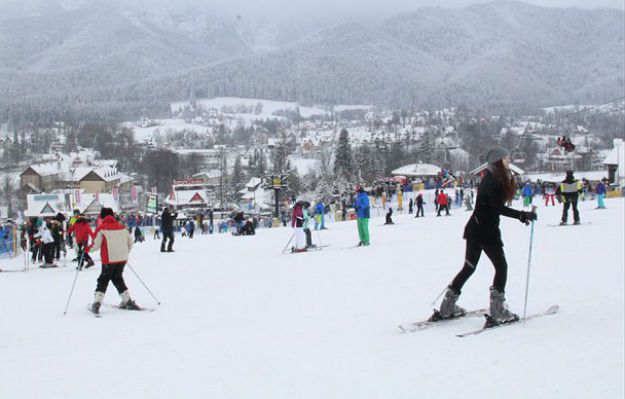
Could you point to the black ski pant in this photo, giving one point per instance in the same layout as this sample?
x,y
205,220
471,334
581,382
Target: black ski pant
x,y
167,235
420,211
441,207
472,256
565,211
308,237
48,252
113,273
58,247
82,255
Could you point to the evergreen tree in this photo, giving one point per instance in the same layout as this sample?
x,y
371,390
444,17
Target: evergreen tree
x,y
343,160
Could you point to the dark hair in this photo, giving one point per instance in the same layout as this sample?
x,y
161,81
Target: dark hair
x,y
506,180
104,212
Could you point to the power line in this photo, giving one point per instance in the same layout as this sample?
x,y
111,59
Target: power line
x,y
595,106
608,111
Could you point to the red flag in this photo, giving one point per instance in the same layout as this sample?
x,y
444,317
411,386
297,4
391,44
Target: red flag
x,y
97,197
133,193
77,196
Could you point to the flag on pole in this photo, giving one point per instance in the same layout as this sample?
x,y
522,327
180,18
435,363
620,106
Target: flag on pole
x,y
97,197
115,193
77,196
133,193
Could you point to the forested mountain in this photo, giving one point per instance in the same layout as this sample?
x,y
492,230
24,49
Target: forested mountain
x,y
62,52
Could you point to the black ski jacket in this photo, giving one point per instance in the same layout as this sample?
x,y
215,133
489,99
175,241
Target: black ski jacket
x,y
483,225
167,221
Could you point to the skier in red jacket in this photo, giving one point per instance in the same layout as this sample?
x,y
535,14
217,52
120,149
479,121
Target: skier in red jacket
x,y
443,203
82,231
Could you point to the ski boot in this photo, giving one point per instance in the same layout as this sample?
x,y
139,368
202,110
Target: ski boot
x,y
499,313
97,302
127,302
448,309
576,222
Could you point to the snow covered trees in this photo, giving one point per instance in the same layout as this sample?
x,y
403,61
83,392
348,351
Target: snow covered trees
x,y
343,159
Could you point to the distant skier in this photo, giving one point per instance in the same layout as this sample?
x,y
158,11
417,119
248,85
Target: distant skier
x,y
443,203
420,204
389,216
482,234
167,228
528,194
297,223
601,191
305,225
82,231
410,206
569,189
363,213
550,193
115,243
45,234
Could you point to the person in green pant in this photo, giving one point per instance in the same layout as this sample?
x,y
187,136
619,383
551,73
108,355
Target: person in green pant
x,y
363,213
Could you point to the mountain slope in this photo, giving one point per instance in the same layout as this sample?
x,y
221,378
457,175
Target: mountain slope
x,y
495,52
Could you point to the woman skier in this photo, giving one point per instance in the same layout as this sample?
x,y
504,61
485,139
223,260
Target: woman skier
x,y
482,234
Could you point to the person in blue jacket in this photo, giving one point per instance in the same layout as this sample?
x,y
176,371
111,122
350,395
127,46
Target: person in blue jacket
x,y
363,213
320,220
528,194
601,191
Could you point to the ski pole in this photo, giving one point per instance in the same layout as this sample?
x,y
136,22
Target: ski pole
x,y
74,283
529,263
146,287
319,236
287,244
439,295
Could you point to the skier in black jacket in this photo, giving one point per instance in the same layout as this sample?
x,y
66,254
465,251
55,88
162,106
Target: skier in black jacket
x,y
167,227
482,234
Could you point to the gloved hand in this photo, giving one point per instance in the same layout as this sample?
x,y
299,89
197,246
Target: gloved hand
x,y
527,217
87,249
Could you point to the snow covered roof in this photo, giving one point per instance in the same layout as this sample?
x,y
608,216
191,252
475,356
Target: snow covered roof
x,y
419,169
186,197
617,156
594,175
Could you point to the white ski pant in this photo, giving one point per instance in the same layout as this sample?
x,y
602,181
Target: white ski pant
x,y
300,238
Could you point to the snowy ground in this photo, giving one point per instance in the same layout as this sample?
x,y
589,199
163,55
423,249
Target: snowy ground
x,y
240,320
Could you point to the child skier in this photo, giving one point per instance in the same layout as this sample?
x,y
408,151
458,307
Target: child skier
x,y
389,214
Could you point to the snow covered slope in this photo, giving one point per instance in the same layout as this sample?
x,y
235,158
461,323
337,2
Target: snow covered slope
x,y
240,320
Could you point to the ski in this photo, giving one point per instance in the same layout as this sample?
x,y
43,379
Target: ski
x,y
424,324
552,310
143,309
565,225
310,249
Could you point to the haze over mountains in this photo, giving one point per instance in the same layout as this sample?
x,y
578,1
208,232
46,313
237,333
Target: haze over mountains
x,y
107,51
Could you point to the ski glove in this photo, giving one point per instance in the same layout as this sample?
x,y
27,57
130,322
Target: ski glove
x,y
527,217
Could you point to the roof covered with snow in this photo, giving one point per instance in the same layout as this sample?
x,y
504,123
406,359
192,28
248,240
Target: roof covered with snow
x,y
419,169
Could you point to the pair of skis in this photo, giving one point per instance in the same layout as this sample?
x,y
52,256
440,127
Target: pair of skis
x,y
425,324
109,305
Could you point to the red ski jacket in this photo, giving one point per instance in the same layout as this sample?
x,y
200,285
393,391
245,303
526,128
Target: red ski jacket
x,y
442,198
82,230
113,240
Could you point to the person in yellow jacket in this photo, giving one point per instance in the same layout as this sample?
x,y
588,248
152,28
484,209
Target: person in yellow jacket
x,y
569,190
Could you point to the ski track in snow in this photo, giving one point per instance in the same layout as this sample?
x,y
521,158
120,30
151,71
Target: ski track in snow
x,y
240,320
